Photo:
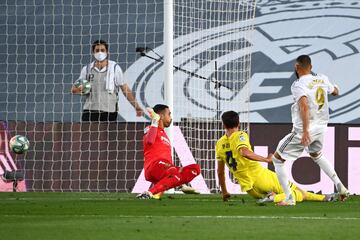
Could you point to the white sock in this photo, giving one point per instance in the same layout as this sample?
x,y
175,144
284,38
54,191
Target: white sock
x,y
282,176
329,170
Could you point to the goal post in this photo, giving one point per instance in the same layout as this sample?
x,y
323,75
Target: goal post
x,y
168,61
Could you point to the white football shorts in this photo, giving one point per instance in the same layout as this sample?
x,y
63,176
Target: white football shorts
x,y
290,147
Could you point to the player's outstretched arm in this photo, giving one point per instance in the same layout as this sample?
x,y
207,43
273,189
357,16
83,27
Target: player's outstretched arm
x,y
245,152
221,176
150,135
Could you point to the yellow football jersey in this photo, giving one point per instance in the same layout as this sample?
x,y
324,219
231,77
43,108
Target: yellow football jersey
x,y
243,169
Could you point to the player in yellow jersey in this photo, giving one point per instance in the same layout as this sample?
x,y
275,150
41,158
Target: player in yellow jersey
x,y
234,150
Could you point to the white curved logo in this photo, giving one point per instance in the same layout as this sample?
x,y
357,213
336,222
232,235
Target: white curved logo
x,y
283,30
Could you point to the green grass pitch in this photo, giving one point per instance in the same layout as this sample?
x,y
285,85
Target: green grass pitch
x,y
120,216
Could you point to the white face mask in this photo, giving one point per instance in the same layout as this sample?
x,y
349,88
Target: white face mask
x,y
100,56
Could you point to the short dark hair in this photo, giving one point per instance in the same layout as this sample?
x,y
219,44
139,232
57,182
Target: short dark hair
x,y
304,60
158,108
230,119
100,42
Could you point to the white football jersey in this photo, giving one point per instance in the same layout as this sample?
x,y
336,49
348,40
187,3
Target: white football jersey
x,y
316,88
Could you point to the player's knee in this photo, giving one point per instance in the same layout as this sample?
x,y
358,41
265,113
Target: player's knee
x,y
315,156
190,172
255,194
299,195
172,171
196,169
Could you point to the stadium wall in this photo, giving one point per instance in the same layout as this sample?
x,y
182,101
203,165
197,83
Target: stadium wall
x,y
69,158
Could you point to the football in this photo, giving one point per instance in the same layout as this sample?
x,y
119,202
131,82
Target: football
x,y
86,85
19,144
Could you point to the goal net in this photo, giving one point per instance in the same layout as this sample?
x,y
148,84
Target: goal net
x,y
213,40
48,42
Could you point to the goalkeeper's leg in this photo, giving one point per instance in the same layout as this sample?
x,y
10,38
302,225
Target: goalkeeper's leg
x,y
171,178
189,172
175,177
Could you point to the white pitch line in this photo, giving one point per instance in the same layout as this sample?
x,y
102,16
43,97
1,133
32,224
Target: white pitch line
x,y
103,199
248,217
195,217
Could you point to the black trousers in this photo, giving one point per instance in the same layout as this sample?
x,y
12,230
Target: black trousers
x,y
98,116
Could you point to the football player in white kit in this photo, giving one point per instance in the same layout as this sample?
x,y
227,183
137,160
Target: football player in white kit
x,y
310,115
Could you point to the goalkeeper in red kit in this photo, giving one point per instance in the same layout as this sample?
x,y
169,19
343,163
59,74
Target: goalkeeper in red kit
x,y
158,165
